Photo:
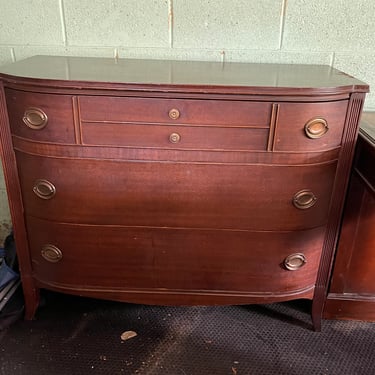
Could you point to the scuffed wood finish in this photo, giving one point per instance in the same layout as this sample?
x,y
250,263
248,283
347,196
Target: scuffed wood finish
x,y
352,292
189,183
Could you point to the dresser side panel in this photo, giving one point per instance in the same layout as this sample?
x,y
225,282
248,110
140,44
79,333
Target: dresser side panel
x,y
337,204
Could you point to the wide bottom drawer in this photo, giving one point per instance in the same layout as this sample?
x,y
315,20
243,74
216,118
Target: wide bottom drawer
x,y
89,256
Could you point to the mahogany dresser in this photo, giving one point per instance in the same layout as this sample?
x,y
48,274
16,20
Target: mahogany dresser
x,y
352,290
174,182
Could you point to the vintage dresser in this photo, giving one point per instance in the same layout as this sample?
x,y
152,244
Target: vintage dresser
x,y
175,182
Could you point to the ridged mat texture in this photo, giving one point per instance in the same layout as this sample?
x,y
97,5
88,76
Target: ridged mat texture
x,y
73,335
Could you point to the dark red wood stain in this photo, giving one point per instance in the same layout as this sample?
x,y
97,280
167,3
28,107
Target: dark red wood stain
x,y
175,180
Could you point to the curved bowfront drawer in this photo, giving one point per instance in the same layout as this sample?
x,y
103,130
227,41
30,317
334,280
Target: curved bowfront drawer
x,y
166,123
41,117
174,259
162,194
310,126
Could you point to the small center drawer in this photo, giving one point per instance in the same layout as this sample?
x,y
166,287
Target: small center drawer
x,y
175,123
174,111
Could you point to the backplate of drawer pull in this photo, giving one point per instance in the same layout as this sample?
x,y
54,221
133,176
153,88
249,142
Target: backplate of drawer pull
x,y
304,199
316,128
174,138
51,253
35,118
44,189
294,261
174,114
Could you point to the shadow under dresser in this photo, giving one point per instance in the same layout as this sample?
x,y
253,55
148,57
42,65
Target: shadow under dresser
x,y
175,182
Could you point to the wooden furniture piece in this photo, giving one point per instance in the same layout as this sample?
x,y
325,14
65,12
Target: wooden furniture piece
x,y
352,290
166,182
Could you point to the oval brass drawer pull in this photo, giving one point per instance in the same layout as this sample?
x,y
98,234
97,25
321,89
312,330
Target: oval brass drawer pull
x,y
316,128
35,118
51,253
174,138
304,199
294,261
44,189
174,114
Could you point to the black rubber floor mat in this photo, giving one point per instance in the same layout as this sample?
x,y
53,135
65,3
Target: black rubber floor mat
x,y
82,336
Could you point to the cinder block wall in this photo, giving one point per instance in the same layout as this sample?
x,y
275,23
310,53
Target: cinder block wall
x,y
339,33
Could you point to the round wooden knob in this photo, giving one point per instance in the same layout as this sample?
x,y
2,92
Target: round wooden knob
x,y
51,253
295,261
174,114
316,128
44,189
35,118
304,199
174,138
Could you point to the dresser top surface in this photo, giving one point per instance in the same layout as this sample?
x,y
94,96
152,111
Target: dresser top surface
x,y
188,74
